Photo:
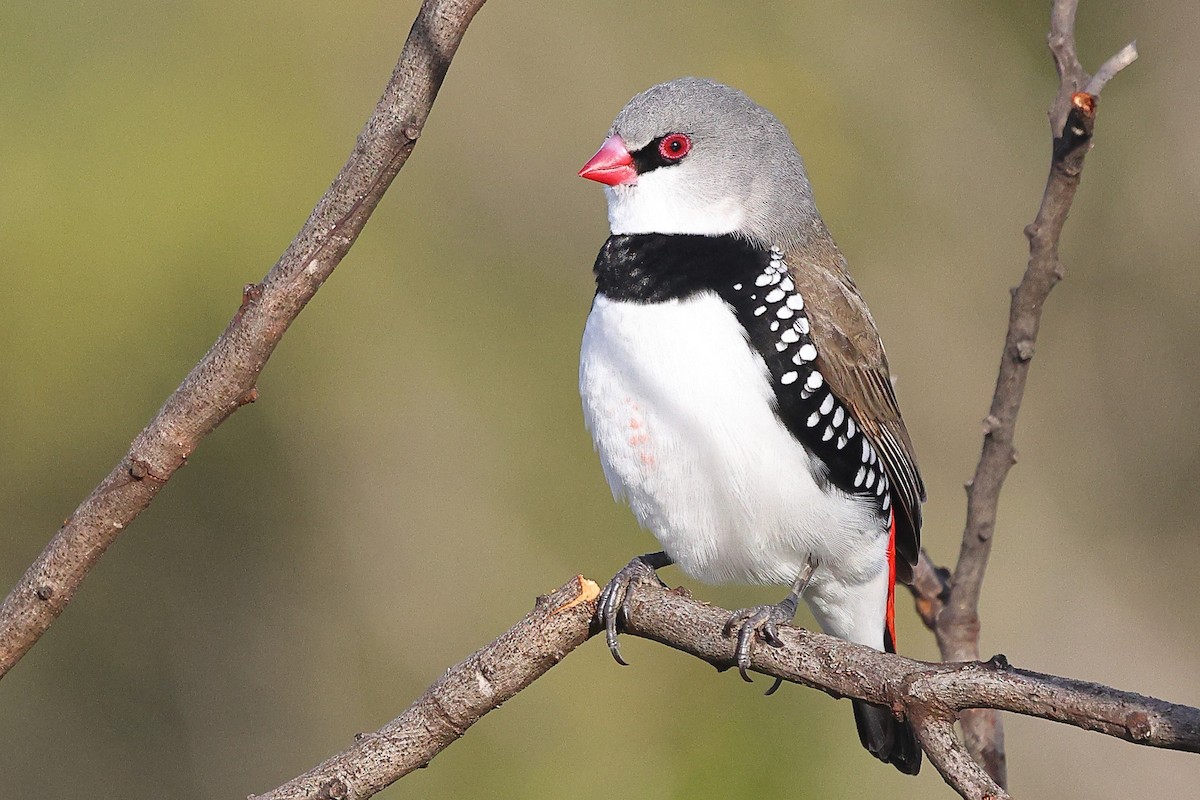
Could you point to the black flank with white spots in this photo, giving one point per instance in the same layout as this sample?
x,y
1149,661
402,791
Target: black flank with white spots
x,y
656,268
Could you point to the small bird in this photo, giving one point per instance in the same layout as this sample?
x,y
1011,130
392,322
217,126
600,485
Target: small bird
x,y
735,386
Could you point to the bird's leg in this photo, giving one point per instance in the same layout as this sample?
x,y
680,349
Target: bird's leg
x,y
611,603
764,619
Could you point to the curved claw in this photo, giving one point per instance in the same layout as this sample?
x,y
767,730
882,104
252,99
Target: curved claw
x,y
611,600
745,637
611,604
763,621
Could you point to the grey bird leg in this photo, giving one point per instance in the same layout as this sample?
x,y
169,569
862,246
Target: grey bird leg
x,y
611,603
764,619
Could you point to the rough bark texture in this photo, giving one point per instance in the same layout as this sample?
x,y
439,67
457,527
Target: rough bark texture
x,y
949,602
224,379
558,623
931,695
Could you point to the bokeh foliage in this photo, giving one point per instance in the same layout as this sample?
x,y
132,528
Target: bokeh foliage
x,y
416,470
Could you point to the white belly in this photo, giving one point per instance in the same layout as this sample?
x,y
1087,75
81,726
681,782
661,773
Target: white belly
x,y
680,410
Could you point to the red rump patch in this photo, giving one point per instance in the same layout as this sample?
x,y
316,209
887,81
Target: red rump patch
x,y
889,621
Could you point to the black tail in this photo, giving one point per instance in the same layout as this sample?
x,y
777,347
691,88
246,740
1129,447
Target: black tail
x,y
887,738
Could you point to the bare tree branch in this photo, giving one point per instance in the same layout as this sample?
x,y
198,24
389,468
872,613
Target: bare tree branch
x,y
224,379
950,757
952,609
931,695
1109,69
559,622
843,669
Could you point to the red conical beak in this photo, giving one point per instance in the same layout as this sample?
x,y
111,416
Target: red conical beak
x,y
612,165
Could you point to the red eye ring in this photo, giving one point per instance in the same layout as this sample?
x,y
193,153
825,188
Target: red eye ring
x,y
674,146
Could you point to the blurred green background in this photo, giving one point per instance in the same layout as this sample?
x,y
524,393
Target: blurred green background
x,y
416,470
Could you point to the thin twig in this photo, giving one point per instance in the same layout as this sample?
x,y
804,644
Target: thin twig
x,y
224,379
953,610
1109,69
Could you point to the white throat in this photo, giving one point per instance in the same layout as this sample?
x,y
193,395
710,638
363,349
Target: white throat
x,y
659,203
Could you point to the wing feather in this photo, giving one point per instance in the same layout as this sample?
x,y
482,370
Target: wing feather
x,y
851,357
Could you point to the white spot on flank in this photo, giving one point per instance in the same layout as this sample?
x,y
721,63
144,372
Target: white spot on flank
x,y
827,404
795,301
814,379
838,416
866,456
827,435
841,442
784,313
813,419
737,287
788,377
775,295
762,280
871,479
887,501
780,347
808,352
801,324
786,284
880,488
850,429
775,325
858,476
758,312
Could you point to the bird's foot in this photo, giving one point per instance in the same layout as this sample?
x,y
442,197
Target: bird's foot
x,y
611,604
763,621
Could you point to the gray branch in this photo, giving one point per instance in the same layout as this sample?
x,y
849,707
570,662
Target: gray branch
x,y
931,695
224,380
558,623
949,602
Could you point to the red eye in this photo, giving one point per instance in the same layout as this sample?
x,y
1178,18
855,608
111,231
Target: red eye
x,y
674,146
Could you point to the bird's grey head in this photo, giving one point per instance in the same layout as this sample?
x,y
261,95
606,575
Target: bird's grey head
x,y
696,156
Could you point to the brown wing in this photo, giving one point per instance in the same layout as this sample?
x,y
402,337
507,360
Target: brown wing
x,y
850,356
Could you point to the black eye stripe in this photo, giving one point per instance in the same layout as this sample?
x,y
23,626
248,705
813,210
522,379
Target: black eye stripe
x,y
649,158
